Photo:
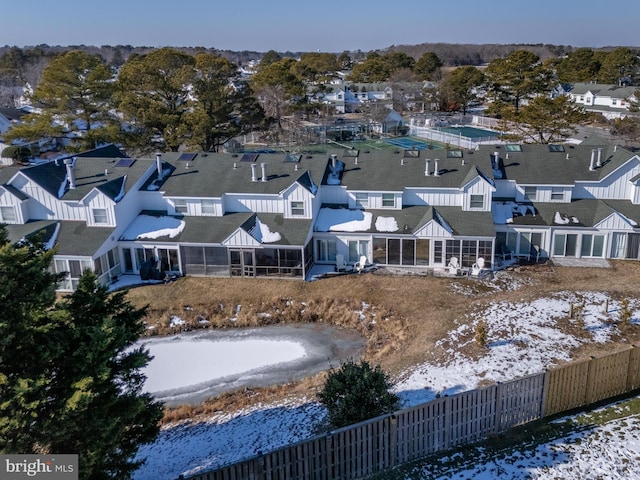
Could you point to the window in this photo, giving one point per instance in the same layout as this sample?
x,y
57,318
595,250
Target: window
x,y
388,200
326,250
530,193
100,216
557,193
208,207
582,98
592,245
614,102
358,248
8,215
476,201
180,205
362,199
297,209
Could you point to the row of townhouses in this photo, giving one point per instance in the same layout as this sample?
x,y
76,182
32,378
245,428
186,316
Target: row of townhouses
x,y
279,214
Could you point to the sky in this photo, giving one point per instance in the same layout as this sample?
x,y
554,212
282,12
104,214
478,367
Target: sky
x,y
327,26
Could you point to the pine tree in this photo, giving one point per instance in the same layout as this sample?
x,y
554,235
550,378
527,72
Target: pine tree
x,y
70,380
357,392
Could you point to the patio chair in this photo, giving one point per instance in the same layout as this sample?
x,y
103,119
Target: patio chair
x,y
341,265
360,264
454,266
506,253
476,268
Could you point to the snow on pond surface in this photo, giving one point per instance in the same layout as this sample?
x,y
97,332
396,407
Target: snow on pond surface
x,y
191,367
181,362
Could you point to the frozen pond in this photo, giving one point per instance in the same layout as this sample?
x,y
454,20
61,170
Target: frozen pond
x,y
190,367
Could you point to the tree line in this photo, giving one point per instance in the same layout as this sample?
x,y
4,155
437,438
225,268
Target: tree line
x,y
168,99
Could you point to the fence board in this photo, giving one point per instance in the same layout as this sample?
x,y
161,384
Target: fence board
x,y
519,401
607,376
566,387
471,416
633,375
419,431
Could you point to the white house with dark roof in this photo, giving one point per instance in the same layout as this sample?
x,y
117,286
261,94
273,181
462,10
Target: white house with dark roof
x,y
612,101
278,214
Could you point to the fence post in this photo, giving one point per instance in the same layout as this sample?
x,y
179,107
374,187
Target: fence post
x,y
498,409
393,439
545,391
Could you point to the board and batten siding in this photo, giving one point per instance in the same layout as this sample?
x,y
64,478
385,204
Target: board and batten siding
x,y
44,206
19,207
477,187
435,197
98,200
297,193
252,203
614,222
617,186
334,195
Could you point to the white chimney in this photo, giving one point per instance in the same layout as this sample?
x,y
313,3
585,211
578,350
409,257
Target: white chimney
x,y
69,163
599,161
159,164
254,172
436,172
427,161
593,159
264,171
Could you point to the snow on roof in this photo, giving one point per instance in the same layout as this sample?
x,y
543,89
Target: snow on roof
x,y
343,220
386,224
263,234
561,219
503,212
146,226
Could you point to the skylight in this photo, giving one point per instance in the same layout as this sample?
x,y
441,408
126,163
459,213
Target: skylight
x,y
125,162
556,148
292,158
187,157
513,148
454,153
249,157
350,153
412,153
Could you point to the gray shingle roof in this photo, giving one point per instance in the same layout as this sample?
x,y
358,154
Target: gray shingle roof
x,y
579,213
390,171
76,238
89,173
536,165
214,230
211,175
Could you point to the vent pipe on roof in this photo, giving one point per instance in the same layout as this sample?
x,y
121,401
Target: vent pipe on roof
x,y
599,161
356,161
506,156
436,171
593,160
615,148
254,172
427,161
264,171
70,163
295,167
159,164
235,165
402,161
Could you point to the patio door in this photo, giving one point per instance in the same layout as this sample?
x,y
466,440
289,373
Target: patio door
x,y
242,263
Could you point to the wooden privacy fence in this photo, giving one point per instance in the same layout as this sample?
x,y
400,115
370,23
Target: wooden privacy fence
x,y
380,443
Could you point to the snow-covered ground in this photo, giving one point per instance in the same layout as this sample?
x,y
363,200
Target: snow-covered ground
x,y
606,451
522,339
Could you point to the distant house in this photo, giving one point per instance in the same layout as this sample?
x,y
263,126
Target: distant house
x,y
279,214
611,101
